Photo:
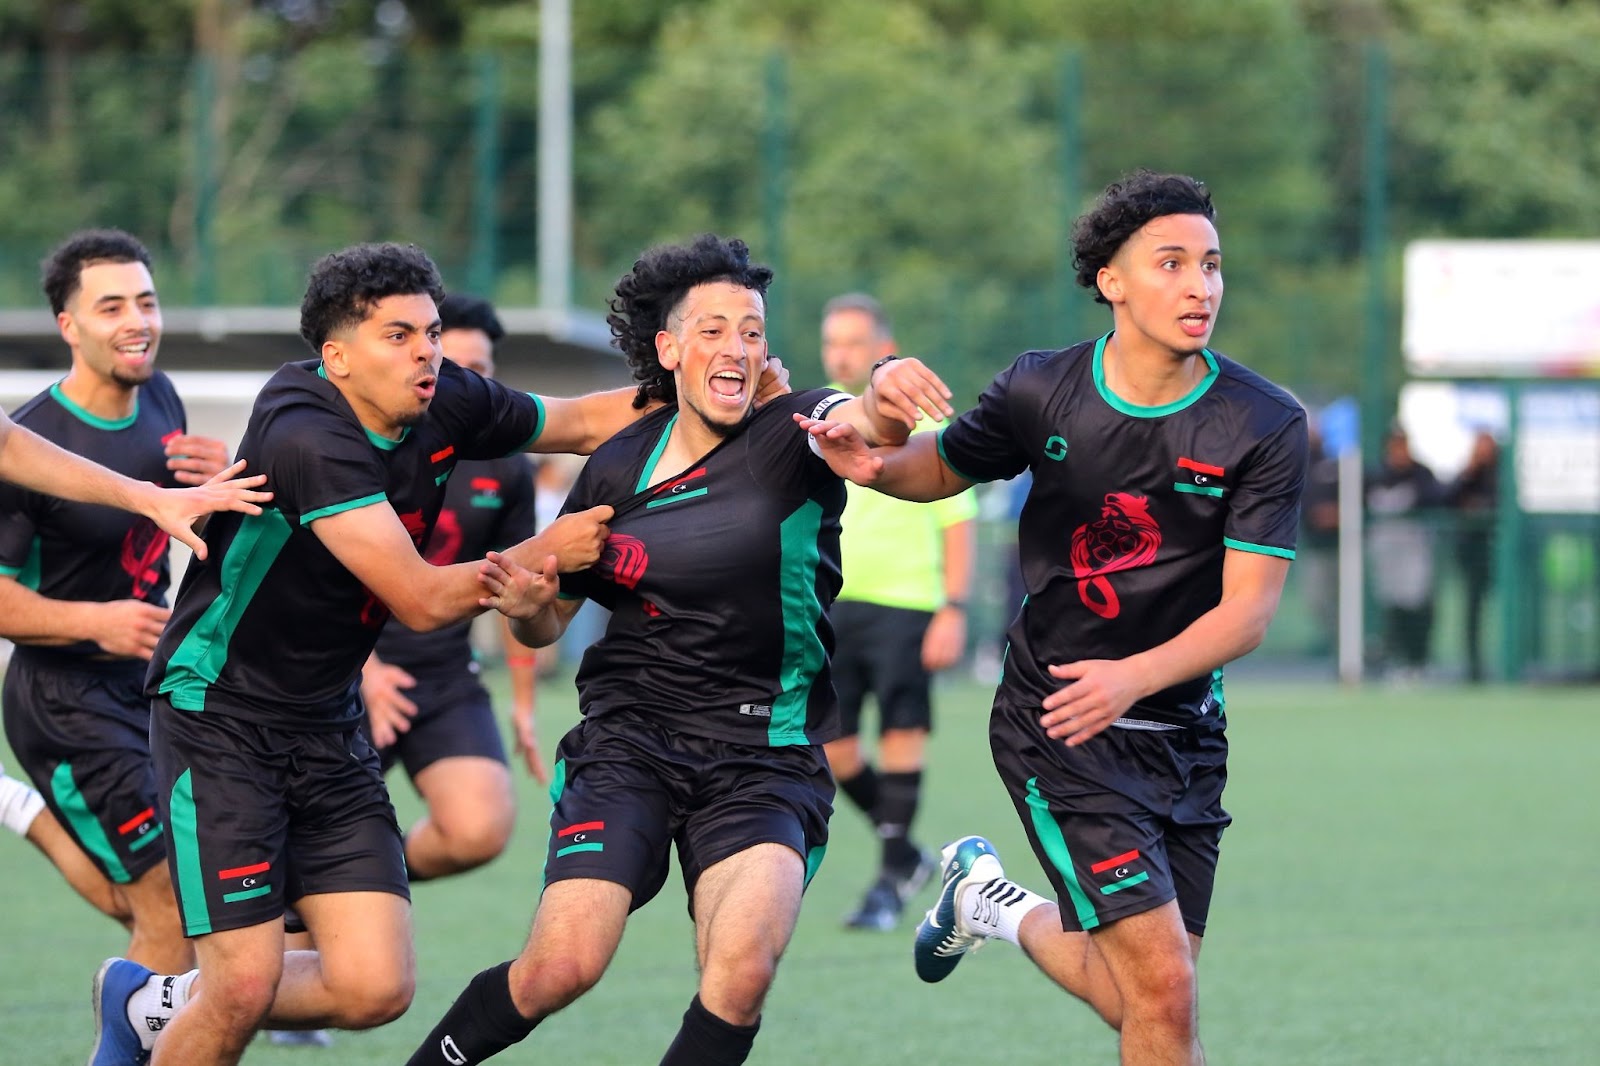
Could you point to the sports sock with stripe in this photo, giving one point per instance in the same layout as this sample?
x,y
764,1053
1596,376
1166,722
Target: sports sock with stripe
x,y
996,908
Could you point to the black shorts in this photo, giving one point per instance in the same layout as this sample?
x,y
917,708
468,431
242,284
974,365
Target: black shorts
x,y
1122,823
878,653
81,732
262,816
454,718
626,788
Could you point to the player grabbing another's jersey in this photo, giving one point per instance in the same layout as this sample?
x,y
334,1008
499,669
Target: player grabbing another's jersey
x,y
1154,545
707,700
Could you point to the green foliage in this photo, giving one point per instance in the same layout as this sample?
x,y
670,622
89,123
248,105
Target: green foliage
x,y
933,151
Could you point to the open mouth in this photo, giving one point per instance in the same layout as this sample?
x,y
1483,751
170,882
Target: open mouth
x,y
423,387
1196,323
135,351
728,388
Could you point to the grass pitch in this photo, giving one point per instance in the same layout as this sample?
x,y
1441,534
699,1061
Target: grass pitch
x,y
1409,880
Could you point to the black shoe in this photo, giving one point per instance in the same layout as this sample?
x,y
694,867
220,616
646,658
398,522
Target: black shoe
x,y
909,882
879,910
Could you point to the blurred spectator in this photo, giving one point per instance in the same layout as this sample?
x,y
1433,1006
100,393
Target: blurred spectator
x,y
1317,561
1400,543
1474,495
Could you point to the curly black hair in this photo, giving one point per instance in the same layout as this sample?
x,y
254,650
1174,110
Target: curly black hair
x,y
647,296
1122,211
61,272
345,284
460,311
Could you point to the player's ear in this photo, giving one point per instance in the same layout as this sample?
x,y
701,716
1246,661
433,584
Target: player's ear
x,y
1109,283
667,350
68,327
334,358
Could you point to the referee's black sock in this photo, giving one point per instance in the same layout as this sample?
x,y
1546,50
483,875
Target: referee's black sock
x,y
862,788
482,1022
898,796
706,1040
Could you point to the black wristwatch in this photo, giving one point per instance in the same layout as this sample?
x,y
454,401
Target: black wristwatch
x,y
880,362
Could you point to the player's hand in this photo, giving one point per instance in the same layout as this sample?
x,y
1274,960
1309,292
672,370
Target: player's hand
x,y
526,743
843,449
904,390
177,510
1101,690
129,628
389,710
576,539
944,640
514,590
194,460
774,381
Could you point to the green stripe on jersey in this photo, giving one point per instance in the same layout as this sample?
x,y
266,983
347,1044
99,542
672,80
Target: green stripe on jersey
x,y
1055,847
339,508
803,655
538,424
201,655
1259,549
1197,490
27,575
85,826
649,467
96,421
945,459
185,823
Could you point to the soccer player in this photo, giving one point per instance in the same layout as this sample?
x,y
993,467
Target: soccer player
x,y
83,590
900,618
272,794
1154,545
22,811
707,700
425,705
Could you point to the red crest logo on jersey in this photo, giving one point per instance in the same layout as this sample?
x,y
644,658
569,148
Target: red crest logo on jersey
x,y
375,612
143,549
1124,536
625,559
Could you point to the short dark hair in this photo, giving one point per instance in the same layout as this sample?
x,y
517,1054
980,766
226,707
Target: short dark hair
x,y
647,296
1122,211
860,301
345,284
61,272
461,311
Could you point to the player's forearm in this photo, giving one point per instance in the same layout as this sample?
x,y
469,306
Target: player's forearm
x,y
543,629
29,618
434,597
1231,629
521,664
29,460
581,424
914,471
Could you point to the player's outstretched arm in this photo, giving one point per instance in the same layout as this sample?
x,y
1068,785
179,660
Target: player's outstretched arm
x,y
29,460
372,543
912,471
1099,691
575,539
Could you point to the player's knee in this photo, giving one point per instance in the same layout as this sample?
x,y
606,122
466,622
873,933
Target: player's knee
x,y
239,1002
742,984
479,840
1164,994
554,983
376,1001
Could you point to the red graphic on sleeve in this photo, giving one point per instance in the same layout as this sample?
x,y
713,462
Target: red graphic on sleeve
x,y
144,549
1124,537
444,545
625,559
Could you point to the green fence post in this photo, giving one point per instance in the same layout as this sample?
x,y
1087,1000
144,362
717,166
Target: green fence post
x,y
485,175
1070,175
205,181
1509,564
1376,401
774,190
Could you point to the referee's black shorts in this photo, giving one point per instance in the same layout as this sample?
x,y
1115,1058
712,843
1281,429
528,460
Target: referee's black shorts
x,y
878,653
626,789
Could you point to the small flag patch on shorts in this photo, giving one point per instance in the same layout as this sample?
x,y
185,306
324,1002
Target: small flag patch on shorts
x,y
580,835
250,883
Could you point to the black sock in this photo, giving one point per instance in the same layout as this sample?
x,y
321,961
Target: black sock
x,y
706,1040
898,794
862,788
482,1022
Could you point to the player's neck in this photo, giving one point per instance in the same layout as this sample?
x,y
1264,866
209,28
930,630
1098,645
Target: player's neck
x,y
688,441
100,396
1146,374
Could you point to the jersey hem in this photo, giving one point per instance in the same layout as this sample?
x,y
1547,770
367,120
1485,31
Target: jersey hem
x,y
323,512
1258,549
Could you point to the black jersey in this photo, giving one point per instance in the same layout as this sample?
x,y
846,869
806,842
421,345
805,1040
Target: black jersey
x,y
272,628
87,552
488,506
719,581
1123,533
